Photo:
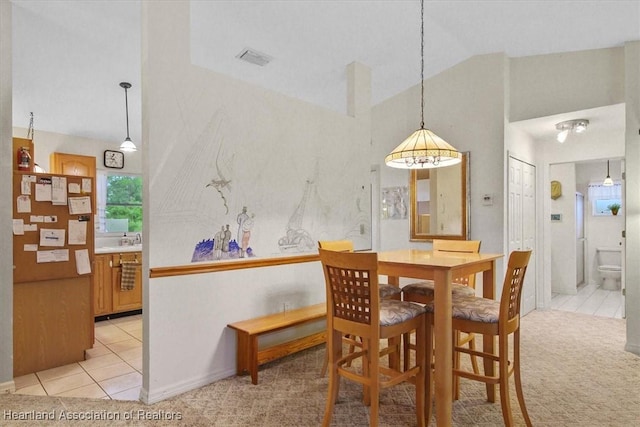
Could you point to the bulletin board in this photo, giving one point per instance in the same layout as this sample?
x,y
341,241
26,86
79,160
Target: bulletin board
x,y
53,226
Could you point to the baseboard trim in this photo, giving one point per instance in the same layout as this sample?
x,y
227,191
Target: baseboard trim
x,y
154,396
8,387
632,348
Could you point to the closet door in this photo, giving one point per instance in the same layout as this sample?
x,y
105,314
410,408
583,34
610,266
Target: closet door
x,y
522,222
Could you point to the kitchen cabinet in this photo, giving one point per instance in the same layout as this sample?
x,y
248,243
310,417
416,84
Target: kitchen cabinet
x,y
102,293
73,164
109,297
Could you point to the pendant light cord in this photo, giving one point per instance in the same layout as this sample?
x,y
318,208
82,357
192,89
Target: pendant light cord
x,y
422,64
126,106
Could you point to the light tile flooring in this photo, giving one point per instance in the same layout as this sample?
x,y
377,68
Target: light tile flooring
x,y
112,369
590,299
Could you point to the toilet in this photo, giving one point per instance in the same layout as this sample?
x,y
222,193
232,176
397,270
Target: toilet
x,y
609,267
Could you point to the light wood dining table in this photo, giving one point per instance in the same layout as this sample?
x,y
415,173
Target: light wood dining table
x,y
423,264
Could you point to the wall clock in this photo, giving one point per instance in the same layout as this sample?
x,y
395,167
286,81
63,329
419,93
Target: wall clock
x,y
113,159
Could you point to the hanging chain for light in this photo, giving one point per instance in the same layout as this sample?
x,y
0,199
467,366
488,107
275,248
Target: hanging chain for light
x,y
30,132
422,64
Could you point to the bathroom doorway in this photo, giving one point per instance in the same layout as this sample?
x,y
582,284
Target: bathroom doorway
x,y
594,228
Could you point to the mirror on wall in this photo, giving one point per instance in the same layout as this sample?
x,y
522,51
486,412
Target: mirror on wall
x,y
439,202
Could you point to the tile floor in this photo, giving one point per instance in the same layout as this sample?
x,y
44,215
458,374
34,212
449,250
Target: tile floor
x,y
590,299
112,369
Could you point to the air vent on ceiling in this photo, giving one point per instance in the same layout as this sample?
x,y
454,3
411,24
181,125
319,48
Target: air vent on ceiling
x,y
254,57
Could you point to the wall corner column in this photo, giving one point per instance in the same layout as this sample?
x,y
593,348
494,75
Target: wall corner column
x,y
632,188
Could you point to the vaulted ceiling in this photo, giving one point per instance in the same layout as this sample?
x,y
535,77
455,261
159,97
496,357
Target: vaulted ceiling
x,y
70,56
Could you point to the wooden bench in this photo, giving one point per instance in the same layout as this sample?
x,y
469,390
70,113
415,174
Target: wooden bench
x,y
249,356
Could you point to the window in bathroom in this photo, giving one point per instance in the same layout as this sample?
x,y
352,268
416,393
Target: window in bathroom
x,y
119,202
602,197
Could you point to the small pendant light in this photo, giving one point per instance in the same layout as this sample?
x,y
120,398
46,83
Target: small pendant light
x,y
127,144
608,182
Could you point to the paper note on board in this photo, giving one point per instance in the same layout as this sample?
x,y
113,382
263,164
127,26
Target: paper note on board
x,y
30,247
30,227
86,185
79,205
74,188
25,187
52,236
59,190
56,255
18,226
77,232
43,192
83,266
23,204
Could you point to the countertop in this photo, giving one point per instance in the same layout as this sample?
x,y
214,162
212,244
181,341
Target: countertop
x,y
118,249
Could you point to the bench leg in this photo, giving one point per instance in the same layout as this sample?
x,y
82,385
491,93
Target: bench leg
x,y
253,358
242,353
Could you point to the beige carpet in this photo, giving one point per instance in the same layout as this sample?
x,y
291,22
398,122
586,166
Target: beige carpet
x,y
575,373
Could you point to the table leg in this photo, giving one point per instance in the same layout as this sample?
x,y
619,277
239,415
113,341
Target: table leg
x,y
443,347
488,341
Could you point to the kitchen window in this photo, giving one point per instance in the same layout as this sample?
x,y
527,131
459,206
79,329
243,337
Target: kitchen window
x,y
119,202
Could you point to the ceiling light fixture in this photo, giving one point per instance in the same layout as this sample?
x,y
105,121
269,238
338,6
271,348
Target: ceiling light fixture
x,y
608,182
127,144
564,128
423,149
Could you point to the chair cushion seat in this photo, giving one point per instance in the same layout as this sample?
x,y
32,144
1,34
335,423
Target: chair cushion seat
x,y
387,291
472,308
393,312
426,288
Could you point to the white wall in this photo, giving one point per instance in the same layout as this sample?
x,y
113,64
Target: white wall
x,y
465,106
632,217
545,85
271,145
6,203
563,232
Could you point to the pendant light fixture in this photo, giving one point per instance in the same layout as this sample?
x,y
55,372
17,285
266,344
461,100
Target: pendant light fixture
x,y
423,149
608,182
127,144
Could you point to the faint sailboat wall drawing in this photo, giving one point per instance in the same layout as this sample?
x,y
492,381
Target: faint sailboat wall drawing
x,y
189,197
310,216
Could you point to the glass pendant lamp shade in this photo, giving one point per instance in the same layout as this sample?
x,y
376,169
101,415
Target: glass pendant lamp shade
x,y
423,149
127,145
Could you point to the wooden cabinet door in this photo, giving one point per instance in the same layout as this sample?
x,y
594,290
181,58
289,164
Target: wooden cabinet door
x,y
125,300
73,164
102,294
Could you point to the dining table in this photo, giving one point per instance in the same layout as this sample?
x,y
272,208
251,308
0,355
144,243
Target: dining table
x,y
441,267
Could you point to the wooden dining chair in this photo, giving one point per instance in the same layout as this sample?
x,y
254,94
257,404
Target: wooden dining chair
x,y
386,292
478,315
423,292
354,307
